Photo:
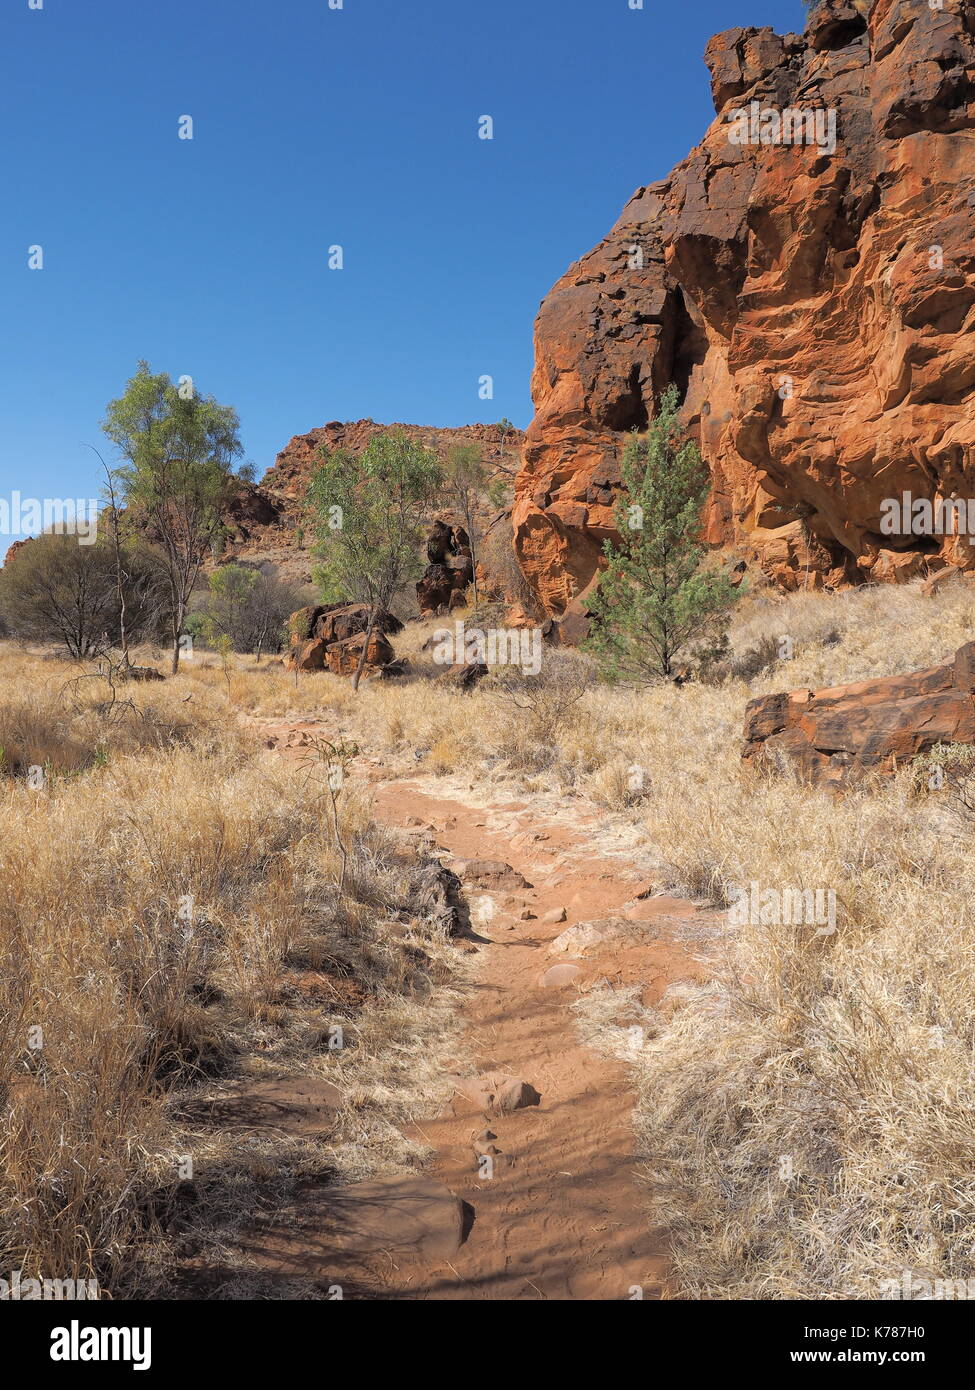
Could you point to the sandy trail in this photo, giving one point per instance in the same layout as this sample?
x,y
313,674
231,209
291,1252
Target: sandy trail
x,y
560,1215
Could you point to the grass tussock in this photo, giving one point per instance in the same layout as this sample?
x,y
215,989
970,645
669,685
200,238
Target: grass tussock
x,y
163,906
64,719
808,1117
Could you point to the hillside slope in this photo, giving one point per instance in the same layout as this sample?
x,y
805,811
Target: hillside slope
x,y
268,524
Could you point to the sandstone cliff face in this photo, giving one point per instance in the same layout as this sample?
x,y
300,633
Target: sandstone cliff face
x,y
815,305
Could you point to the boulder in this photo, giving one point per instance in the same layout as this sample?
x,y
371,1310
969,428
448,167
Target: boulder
x,y
439,543
393,670
834,735
463,676
588,937
308,655
557,976
301,623
329,637
338,624
490,873
493,1093
342,658
449,571
572,628
139,673
433,591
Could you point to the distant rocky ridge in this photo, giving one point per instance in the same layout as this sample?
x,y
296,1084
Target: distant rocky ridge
x,y
267,522
817,307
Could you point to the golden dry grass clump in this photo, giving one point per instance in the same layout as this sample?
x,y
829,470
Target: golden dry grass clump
x,y
808,1119
155,901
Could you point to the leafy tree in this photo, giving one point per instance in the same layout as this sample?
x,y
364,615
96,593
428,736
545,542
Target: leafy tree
x,y
230,590
56,590
179,449
497,491
369,512
466,481
118,524
328,580
247,607
654,595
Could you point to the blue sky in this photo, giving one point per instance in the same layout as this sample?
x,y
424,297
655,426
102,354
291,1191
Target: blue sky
x,y
315,127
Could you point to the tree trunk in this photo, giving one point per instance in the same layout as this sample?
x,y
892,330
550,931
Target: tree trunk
x,y
120,589
119,585
365,649
177,633
469,519
123,635
262,637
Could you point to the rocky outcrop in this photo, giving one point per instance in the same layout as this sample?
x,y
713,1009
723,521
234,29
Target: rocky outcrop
x,y
298,459
449,570
342,658
814,302
831,736
330,637
13,548
268,523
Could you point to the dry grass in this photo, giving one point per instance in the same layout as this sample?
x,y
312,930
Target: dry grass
x,y
809,1118
65,719
878,630
155,902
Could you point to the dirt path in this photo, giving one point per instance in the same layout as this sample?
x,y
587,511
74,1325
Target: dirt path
x,y
556,1211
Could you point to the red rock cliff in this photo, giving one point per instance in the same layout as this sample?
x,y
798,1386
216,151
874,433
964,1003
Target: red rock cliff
x,y
815,303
